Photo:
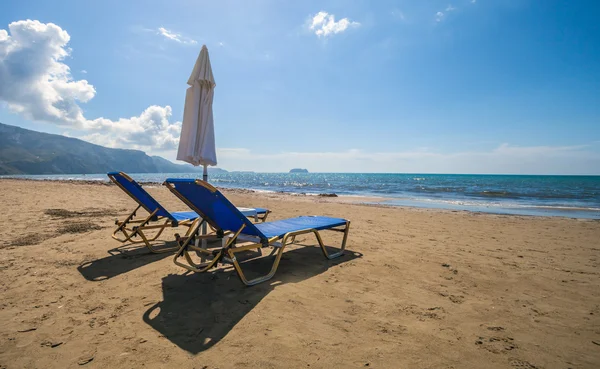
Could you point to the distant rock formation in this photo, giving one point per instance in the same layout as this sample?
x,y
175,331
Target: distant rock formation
x,y
213,170
299,170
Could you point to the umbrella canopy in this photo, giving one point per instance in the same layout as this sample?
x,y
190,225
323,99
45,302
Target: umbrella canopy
x,y
197,141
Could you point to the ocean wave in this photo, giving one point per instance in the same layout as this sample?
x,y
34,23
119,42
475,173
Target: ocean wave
x,y
494,193
503,204
440,189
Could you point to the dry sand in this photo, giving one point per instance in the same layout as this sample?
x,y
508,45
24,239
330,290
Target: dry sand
x,y
416,289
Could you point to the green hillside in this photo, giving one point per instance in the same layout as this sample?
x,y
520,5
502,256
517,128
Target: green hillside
x,y
24,151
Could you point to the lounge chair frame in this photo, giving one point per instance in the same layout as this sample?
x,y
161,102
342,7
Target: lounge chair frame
x,y
132,228
227,253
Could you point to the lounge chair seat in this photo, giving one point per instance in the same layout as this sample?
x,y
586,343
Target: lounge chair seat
x,y
231,226
184,215
279,228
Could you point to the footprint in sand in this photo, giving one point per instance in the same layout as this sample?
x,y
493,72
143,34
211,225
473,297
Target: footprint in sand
x,y
516,363
496,344
456,299
422,314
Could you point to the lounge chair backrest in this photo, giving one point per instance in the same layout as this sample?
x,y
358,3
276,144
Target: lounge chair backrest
x,y
211,205
137,193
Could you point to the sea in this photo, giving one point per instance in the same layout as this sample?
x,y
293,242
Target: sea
x,y
535,195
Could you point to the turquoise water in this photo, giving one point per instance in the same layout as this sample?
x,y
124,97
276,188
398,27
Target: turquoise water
x,y
571,196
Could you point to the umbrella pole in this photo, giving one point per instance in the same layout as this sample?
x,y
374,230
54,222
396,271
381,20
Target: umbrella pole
x,y
204,243
205,179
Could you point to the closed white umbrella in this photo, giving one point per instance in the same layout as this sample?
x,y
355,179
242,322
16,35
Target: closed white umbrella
x,y
197,141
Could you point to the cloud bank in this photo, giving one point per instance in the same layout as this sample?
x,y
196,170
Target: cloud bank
x,y
37,84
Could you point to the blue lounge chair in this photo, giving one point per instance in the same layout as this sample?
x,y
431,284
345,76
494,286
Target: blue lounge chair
x,y
227,221
133,230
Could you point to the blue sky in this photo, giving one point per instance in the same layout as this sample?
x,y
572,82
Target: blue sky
x,y
485,86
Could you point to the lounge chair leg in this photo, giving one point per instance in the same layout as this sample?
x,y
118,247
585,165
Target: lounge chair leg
x,y
216,256
148,240
287,239
135,231
342,248
122,226
183,251
258,280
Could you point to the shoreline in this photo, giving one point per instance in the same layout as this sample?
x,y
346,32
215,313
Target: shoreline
x,y
586,214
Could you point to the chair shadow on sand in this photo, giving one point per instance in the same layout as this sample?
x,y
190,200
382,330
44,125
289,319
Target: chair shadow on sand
x,y
121,260
198,310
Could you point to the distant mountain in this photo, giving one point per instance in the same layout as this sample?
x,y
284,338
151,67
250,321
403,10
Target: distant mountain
x,y
216,170
29,152
298,170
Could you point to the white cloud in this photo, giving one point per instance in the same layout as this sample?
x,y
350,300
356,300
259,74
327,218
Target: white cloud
x,y
324,24
37,84
503,159
83,71
151,129
174,36
35,81
439,16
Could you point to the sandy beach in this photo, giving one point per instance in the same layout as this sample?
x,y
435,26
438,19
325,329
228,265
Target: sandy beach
x,y
417,288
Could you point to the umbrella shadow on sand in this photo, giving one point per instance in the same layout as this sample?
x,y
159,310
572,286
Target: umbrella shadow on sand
x,y
121,260
198,310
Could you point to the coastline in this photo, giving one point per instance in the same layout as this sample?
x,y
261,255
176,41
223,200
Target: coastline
x,y
383,201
